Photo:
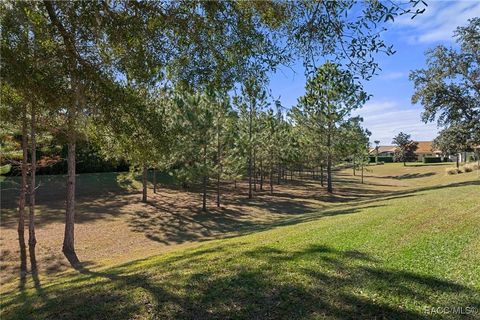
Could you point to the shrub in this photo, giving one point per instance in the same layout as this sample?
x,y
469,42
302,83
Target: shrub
x,y
432,160
453,170
471,167
5,169
381,159
385,159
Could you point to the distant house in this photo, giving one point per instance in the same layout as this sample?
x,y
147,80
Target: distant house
x,y
425,150
383,151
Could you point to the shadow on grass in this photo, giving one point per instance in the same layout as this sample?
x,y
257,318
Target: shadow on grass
x,y
178,222
408,176
429,164
229,282
414,175
186,222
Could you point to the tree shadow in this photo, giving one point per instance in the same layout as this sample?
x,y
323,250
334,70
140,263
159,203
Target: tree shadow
x,y
168,219
34,272
175,221
410,176
429,165
268,282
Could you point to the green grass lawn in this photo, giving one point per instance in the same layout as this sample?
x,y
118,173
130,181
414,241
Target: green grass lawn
x,y
389,258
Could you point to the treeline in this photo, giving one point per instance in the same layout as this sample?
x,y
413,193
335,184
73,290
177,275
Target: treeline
x,y
215,138
51,157
151,82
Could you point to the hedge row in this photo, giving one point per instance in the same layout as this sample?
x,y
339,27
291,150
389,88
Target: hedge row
x,y
432,160
381,159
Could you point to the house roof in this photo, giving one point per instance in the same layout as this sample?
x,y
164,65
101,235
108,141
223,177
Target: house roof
x,y
426,147
423,147
383,149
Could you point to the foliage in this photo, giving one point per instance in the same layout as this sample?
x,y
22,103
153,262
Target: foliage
x,y
331,95
5,169
452,140
448,88
383,159
354,142
406,148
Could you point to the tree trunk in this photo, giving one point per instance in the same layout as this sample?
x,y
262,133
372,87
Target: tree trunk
x,y
329,174
154,180
218,190
68,240
32,241
362,173
69,237
144,183
279,174
329,164
250,176
271,179
219,163
321,174
250,155
261,175
204,197
354,173
235,183
204,184
22,197
254,170
457,160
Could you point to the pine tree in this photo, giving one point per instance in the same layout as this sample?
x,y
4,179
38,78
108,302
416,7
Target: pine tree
x,y
331,95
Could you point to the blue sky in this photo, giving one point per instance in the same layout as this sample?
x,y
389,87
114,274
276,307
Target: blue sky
x,y
390,111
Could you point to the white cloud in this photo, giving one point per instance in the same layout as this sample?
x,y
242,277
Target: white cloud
x,y
394,75
385,119
438,21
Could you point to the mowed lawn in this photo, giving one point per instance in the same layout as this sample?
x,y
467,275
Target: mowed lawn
x,y
407,245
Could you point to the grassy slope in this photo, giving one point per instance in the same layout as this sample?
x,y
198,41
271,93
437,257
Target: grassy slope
x,y
387,258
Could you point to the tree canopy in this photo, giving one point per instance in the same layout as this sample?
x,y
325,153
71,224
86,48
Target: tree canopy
x,y
449,87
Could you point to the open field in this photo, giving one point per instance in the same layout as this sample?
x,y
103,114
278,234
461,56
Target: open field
x,y
407,239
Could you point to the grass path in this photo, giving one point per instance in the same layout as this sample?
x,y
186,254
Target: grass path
x,y
394,257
